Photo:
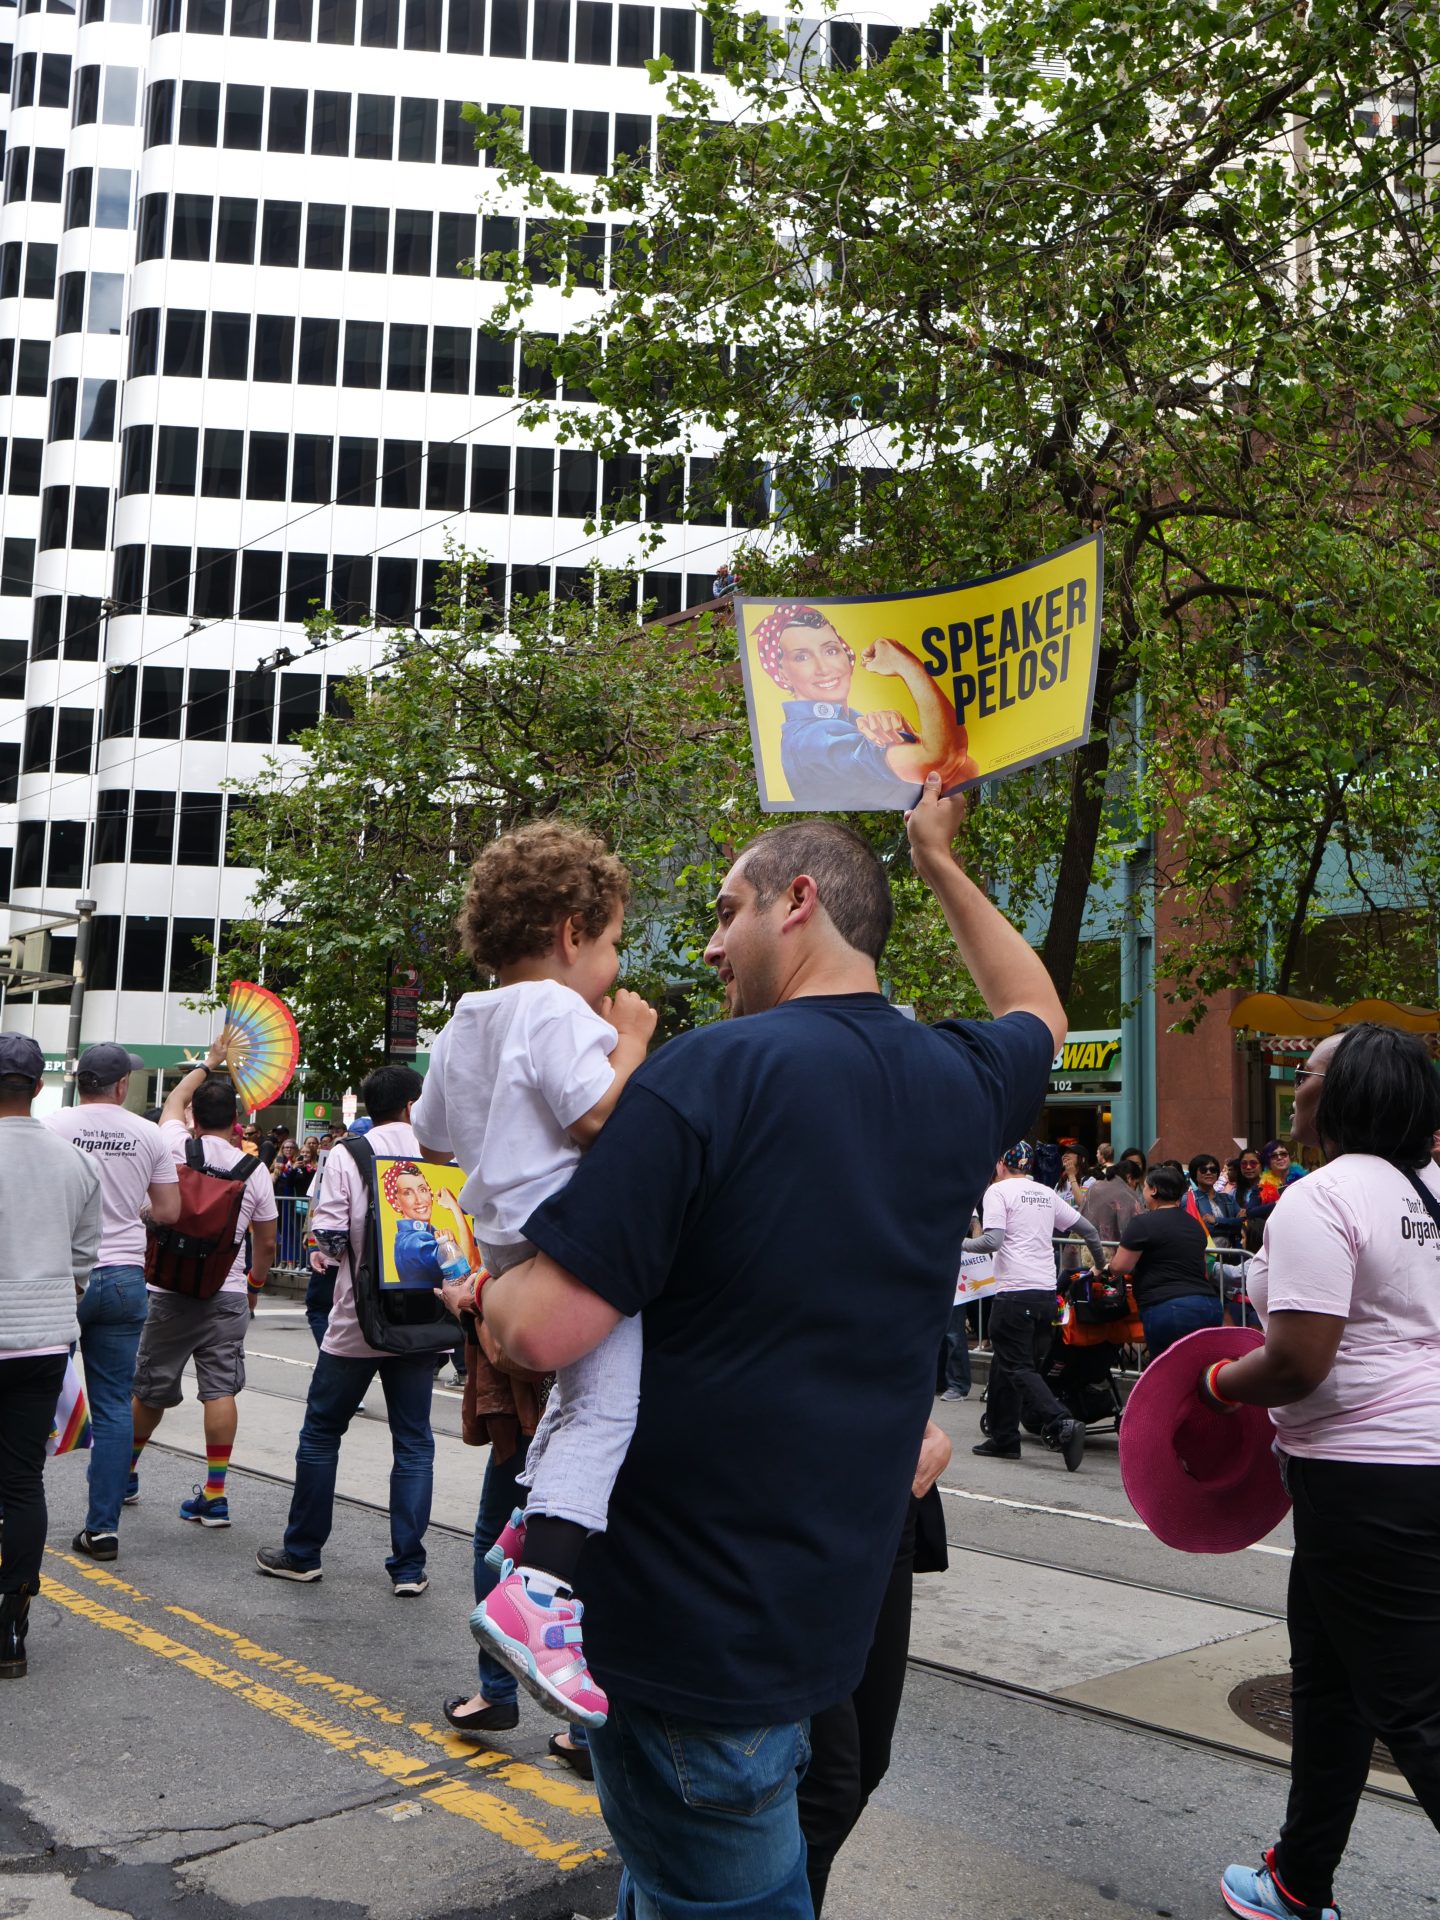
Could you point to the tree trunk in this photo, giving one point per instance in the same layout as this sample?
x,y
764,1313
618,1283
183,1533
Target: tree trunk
x,y
1088,767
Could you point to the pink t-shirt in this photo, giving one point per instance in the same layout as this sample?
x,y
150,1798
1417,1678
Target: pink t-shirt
x,y
257,1202
130,1158
1355,1240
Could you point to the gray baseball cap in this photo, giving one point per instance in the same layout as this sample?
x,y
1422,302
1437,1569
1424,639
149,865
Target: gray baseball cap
x,y
20,1054
101,1066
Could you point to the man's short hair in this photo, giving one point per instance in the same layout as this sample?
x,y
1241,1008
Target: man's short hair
x,y
17,1086
214,1105
852,885
388,1091
1167,1183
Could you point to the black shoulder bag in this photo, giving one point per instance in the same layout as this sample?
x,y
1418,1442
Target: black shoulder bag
x,y
397,1320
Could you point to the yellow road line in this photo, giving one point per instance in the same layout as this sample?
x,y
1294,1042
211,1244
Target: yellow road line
x,y
523,1778
485,1810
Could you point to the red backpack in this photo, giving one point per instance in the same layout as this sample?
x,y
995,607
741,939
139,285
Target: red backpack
x,y
194,1255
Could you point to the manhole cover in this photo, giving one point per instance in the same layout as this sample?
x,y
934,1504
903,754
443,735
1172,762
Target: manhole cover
x,y
1264,1704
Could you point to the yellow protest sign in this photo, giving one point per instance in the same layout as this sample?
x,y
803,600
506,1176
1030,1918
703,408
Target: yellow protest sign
x,y
853,702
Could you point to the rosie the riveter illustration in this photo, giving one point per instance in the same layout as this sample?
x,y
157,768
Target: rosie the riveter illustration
x,y
834,757
426,1254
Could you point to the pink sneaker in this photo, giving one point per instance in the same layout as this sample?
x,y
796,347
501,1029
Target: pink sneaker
x,y
537,1636
511,1543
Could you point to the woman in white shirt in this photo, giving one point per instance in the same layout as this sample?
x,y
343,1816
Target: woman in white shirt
x,y
1348,1288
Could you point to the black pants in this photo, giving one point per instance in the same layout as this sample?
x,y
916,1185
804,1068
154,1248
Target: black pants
x,y
1021,1326
1364,1615
850,1743
29,1390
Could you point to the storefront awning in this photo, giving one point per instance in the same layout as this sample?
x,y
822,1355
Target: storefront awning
x,y
1277,1013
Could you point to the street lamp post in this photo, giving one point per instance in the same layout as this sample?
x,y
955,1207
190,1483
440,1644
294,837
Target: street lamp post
x,y
83,930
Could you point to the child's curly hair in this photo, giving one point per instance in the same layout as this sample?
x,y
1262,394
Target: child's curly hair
x,y
526,882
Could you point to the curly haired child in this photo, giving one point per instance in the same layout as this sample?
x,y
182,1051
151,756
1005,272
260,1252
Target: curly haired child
x,y
520,1082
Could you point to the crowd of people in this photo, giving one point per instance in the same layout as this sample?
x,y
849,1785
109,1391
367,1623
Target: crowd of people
x,y
674,1289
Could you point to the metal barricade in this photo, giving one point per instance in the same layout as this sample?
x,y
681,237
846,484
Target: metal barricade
x,y
292,1228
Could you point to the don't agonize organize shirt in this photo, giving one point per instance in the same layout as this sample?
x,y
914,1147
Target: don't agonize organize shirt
x,y
130,1157
784,1198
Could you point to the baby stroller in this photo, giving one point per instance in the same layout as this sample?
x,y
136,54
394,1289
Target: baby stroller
x,y
1097,1321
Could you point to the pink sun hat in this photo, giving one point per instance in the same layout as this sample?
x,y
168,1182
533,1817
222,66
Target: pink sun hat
x,y
1203,1481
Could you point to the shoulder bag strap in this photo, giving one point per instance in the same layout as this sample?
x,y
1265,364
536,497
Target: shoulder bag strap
x,y
1428,1200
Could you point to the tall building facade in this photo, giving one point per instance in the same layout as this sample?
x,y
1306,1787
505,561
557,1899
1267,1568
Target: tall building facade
x,y
241,372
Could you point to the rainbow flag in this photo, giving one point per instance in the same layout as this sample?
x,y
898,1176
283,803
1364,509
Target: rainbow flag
x,y
71,1431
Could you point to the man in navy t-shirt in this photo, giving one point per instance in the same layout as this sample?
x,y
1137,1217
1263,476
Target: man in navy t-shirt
x,y
784,1197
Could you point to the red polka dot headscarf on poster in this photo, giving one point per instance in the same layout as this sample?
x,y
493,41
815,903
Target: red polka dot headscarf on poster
x,y
771,653
392,1177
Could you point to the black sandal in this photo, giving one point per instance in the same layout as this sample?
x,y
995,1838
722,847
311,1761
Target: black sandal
x,y
487,1719
576,1757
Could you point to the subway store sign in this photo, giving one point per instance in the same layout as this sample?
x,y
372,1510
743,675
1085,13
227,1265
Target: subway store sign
x,y
1087,1060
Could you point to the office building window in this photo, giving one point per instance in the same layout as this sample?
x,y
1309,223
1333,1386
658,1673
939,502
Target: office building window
x,y
579,476
65,866
25,466
551,38
508,22
400,474
335,23
457,136
97,409
330,126
83,620
293,19
45,627
29,853
137,445
275,347
369,239
489,479
12,669
191,966
205,16
254,722
152,828
445,479
465,30
190,229
201,816
32,369
250,19
47,177
494,365
39,741
177,450
229,346
215,578
677,39
313,461
405,372
534,480
62,410
590,142
289,107
594,32
200,113
184,342
375,123
319,359
422,24
299,704
9,771
170,580
161,692
379,23
17,566
144,342
364,346
244,114
86,109
220,473
547,138
107,295
414,241
235,232
129,578
395,590
74,739
79,192
159,113
280,234
356,474
325,237
54,517
350,586
112,197
90,520
265,477
143,970
112,817
259,586
454,243
418,126
207,711
450,360
70,307
304,592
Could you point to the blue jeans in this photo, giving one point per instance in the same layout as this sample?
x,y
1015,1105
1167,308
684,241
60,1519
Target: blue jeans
x,y
112,1318
705,1817
319,1299
1170,1320
957,1349
500,1494
337,1387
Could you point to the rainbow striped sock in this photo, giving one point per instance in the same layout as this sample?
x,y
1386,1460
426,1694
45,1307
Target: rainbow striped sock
x,y
135,1452
217,1460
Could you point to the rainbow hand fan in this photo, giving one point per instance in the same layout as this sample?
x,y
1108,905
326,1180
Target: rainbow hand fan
x,y
261,1042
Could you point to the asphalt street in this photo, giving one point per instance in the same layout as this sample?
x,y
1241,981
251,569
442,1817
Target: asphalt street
x,y
190,1731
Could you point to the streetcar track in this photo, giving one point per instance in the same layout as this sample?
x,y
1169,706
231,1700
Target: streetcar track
x,y
1121,1580
1111,1716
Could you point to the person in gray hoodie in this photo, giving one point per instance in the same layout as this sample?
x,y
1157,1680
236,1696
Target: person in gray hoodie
x,y
52,1187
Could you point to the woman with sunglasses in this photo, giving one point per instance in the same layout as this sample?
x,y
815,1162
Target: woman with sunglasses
x,y
1348,1287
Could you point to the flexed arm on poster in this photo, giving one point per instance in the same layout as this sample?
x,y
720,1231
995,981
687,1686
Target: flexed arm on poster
x,y
943,746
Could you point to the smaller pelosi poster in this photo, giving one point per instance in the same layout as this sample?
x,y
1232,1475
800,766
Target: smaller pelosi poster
x,y
977,1276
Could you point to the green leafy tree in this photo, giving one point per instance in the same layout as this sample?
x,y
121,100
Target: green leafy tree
x,y
1152,269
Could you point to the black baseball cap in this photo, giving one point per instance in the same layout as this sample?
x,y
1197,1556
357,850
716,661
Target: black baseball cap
x,y
101,1066
20,1054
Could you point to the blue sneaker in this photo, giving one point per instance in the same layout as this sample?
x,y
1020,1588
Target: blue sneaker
x,y
132,1491
210,1513
1255,1893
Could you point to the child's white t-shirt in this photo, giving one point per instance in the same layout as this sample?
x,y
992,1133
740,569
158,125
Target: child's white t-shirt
x,y
510,1075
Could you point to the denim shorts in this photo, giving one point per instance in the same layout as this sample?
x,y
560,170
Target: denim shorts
x,y
209,1332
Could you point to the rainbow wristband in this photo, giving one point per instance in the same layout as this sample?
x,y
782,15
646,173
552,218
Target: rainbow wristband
x,y
1212,1392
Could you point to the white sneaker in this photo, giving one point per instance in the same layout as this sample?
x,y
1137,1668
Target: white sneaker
x,y
407,1589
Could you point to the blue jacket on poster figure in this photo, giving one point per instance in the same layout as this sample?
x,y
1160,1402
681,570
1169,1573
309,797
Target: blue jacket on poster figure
x,y
424,1258
828,762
